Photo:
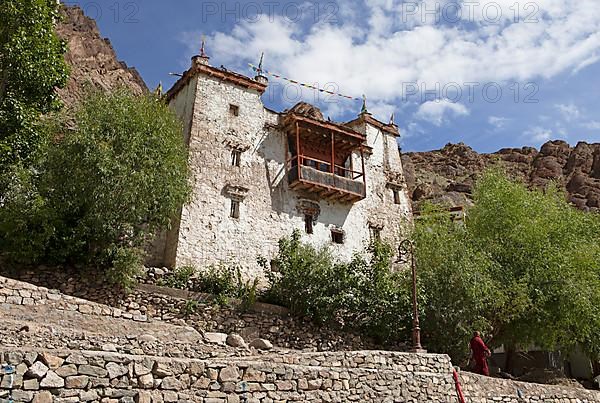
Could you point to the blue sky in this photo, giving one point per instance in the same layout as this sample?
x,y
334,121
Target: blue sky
x,y
491,74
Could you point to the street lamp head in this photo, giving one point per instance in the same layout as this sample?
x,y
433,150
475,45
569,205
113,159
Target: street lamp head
x,y
405,251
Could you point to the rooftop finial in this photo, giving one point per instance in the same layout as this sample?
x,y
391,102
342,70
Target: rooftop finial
x,y
260,77
202,52
392,122
260,63
159,90
364,105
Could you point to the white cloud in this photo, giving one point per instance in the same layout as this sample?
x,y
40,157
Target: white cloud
x,y
498,122
538,134
570,112
436,112
377,58
592,125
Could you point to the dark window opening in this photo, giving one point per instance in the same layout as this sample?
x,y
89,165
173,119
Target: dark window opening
x,y
375,233
308,223
234,110
235,209
337,236
236,157
396,196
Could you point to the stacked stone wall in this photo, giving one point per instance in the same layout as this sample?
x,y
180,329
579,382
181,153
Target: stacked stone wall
x,y
169,305
19,293
75,376
68,354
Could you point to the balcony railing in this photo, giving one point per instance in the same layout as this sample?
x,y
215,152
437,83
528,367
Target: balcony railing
x,y
317,176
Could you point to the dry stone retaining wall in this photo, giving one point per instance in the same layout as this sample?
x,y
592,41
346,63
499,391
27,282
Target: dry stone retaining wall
x,y
169,305
341,377
20,293
114,373
75,376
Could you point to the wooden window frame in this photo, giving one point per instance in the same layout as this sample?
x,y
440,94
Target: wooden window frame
x,y
338,236
236,158
234,211
308,224
234,110
396,194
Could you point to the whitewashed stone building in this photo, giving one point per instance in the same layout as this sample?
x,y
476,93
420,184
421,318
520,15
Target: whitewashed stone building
x,y
258,175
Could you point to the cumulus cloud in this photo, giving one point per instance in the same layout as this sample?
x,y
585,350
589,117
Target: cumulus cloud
x,y
570,112
393,48
538,134
498,122
435,112
592,125
378,47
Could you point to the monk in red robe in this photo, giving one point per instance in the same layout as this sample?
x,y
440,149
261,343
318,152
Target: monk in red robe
x,y
480,354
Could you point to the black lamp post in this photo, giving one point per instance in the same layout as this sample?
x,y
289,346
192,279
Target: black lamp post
x,y
406,254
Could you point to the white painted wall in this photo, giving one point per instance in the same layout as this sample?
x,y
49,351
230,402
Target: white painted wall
x,y
207,235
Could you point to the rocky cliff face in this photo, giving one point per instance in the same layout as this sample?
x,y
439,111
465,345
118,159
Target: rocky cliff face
x,y
448,175
92,59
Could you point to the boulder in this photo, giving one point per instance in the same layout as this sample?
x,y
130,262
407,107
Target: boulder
x,y
261,344
215,338
235,340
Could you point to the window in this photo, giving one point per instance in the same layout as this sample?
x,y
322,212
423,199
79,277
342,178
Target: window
x,y
308,223
375,233
337,236
234,110
396,196
236,157
235,209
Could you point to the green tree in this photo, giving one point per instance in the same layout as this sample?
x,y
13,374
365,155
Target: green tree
x,y
31,68
111,178
363,294
524,268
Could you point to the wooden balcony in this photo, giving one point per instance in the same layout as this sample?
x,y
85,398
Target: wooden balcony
x,y
320,156
315,176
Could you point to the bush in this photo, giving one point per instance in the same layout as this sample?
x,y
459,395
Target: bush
x,y
227,282
179,278
114,174
524,268
364,294
222,281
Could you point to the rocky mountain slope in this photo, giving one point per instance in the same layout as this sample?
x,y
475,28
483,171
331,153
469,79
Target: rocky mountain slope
x,y
448,175
92,59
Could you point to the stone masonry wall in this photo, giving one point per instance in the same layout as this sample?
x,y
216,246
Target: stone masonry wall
x,y
81,376
76,376
19,293
169,305
116,359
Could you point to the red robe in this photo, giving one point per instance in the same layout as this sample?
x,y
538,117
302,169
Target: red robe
x,y
480,351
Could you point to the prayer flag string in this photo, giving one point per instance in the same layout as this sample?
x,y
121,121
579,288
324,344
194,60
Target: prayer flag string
x,y
312,87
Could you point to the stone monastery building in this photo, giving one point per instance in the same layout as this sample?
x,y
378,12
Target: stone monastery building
x,y
258,175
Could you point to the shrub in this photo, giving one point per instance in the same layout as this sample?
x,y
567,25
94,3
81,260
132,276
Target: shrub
x,y
179,278
190,307
227,282
114,174
364,294
217,280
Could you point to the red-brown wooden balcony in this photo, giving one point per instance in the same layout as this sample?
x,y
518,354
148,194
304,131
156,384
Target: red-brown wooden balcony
x,y
321,156
315,176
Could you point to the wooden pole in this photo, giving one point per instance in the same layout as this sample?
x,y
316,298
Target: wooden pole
x,y
332,153
362,159
298,151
